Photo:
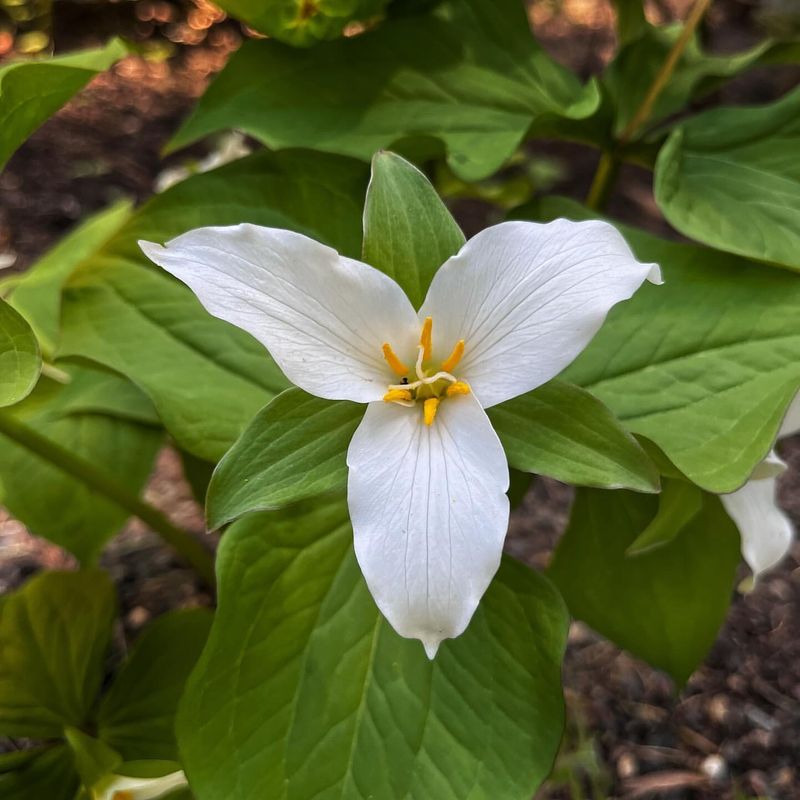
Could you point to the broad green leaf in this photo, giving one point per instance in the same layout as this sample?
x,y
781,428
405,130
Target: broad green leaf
x,y
97,416
137,713
631,74
562,431
36,294
466,76
302,22
678,503
31,91
408,231
20,359
206,378
293,449
731,178
303,690
46,773
54,633
665,606
94,759
704,366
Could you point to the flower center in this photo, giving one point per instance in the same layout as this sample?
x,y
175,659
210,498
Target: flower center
x,y
428,386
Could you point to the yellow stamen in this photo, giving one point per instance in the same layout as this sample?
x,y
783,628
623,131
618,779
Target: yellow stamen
x,y
393,361
454,357
429,408
425,338
459,387
396,394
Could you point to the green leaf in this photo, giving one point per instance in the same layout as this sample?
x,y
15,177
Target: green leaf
x,y
678,503
466,76
293,449
704,366
36,294
408,231
20,359
304,691
731,178
31,91
101,418
302,22
630,76
137,714
94,759
562,431
54,633
206,378
665,606
631,21
37,774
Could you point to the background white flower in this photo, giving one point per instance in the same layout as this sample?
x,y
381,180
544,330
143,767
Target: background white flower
x,y
427,474
767,533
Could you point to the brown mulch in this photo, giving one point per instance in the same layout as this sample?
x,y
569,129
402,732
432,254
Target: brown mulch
x,y
736,726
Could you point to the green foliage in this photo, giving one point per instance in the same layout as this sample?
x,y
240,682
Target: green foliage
x,y
408,231
137,712
294,448
53,638
20,359
675,363
562,431
484,719
54,634
302,22
97,416
630,75
731,178
31,91
678,503
142,323
665,605
465,76
36,293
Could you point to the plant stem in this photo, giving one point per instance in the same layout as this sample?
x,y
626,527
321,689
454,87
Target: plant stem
x,y
180,540
608,166
603,181
664,73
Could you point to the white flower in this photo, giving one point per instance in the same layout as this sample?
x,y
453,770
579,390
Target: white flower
x,y
427,473
766,532
122,787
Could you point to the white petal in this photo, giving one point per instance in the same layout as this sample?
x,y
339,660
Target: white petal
x,y
322,317
772,466
765,530
140,788
791,422
527,298
429,514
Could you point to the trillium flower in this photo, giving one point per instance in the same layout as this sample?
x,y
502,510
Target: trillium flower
x,y
122,787
427,473
765,530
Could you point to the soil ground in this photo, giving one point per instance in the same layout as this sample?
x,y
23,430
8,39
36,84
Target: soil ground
x,y
734,731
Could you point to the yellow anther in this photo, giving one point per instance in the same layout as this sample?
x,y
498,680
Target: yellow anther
x,y
425,338
429,408
396,394
393,361
459,387
454,357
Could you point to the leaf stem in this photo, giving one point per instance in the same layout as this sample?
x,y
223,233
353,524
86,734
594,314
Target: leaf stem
x,y
180,540
664,73
608,166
